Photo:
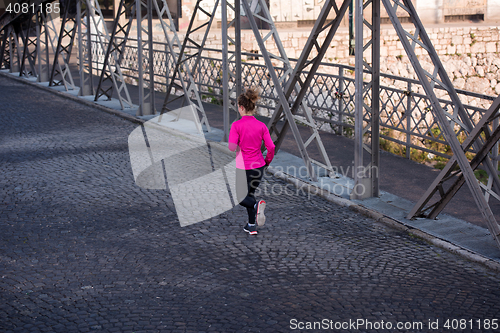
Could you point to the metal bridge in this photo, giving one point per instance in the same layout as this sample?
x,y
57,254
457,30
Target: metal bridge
x,y
295,91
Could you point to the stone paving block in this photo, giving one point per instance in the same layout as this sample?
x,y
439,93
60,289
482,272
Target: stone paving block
x,y
91,251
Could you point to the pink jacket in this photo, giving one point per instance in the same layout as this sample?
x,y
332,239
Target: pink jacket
x,y
248,134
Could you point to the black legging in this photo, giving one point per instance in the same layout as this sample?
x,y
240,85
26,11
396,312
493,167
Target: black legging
x,y
253,178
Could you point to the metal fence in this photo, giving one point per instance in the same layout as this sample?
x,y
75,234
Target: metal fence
x,y
405,118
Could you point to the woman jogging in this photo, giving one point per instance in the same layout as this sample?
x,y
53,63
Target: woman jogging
x,y
246,138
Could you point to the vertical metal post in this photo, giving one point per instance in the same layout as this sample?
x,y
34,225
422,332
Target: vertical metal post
x,y
14,59
167,66
178,14
151,59
15,55
375,107
225,72
237,46
4,41
146,100
494,158
367,113
22,62
84,56
89,49
408,115
352,41
81,64
18,54
22,59
42,45
138,10
231,80
341,99
358,102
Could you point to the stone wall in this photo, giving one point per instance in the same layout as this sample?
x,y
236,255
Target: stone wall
x,y
296,13
470,55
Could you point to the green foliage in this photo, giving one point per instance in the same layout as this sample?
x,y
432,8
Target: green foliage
x,y
212,99
424,157
389,145
482,176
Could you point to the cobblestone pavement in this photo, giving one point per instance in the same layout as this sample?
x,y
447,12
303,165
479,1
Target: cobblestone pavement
x,y
83,249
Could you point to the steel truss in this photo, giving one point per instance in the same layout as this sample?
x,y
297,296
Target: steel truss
x,y
10,54
26,37
448,121
300,86
285,79
8,49
290,84
48,38
450,174
114,72
182,70
29,38
115,49
61,74
193,58
4,49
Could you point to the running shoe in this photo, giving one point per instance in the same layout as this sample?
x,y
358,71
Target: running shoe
x,y
260,217
251,229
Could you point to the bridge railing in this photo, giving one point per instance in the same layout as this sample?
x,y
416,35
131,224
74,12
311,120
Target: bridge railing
x,y
407,126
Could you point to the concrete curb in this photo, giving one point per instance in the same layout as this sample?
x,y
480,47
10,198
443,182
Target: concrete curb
x,y
388,221
300,184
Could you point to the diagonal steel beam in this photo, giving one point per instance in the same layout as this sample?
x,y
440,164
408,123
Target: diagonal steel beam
x,y
441,116
295,84
113,66
105,85
28,54
448,171
183,60
182,69
4,48
266,17
14,50
62,52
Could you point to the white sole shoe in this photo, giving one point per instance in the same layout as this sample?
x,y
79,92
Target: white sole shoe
x,y
261,218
